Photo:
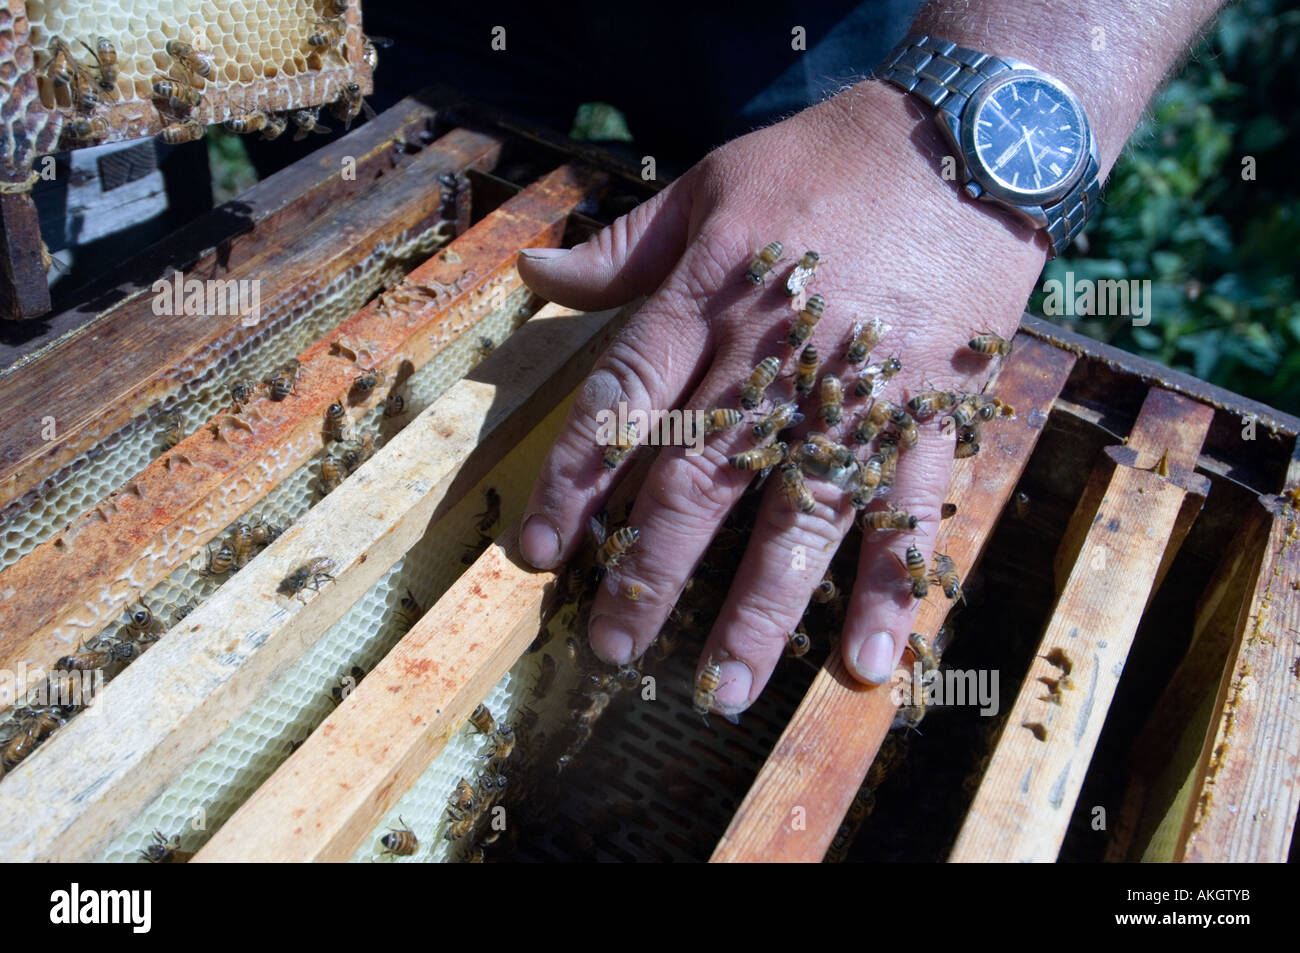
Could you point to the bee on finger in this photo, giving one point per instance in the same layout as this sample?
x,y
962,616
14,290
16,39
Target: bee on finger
x,y
990,344
782,416
400,841
873,421
763,262
721,419
802,274
873,377
914,566
706,687
625,442
945,575
806,321
863,340
831,461
795,489
832,394
891,519
751,394
612,547
805,378
888,452
930,402
968,443
760,458
908,436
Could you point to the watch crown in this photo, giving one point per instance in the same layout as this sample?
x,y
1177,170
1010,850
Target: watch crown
x,y
973,189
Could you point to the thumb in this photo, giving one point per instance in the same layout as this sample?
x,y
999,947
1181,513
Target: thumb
x,y
627,260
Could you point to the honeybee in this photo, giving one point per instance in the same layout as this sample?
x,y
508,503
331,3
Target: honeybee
x,y
797,643
823,457
307,121
721,419
370,47
625,442
889,519
751,394
782,416
873,377
863,339
339,6
331,474
164,851
802,274
503,743
254,121
826,590
988,343
832,394
394,405
88,130
241,541
482,719
84,96
275,126
914,565
190,59
907,432
805,378
347,684
180,612
767,256
313,573
190,130
873,421
409,608
488,518
545,677
328,32
350,104
888,464
366,381
804,324
336,422
174,433
930,402
968,443
460,826
706,686
105,54
357,452
597,702
760,458
612,547
220,562
36,728
945,574
264,533
243,392
180,96
59,70
795,489
864,492
89,659
400,841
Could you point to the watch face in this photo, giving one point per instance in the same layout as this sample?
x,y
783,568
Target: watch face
x,y
1026,137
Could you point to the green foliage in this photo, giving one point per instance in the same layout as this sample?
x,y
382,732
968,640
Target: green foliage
x,y
231,169
600,122
1219,249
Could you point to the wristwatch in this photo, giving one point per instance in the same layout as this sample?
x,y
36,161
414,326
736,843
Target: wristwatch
x,y
1021,137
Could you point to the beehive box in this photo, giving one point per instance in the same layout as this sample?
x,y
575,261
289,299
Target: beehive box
x,y
1119,525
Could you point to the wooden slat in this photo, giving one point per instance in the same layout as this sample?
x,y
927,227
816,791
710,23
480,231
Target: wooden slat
x,y
1023,807
1243,807
73,795
824,753
166,351
71,586
231,234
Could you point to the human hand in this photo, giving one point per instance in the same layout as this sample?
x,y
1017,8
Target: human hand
x,y
855,179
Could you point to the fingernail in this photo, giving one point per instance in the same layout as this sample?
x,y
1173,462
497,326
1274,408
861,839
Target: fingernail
x,y
542,254
734,686
875,659
610,641
539,542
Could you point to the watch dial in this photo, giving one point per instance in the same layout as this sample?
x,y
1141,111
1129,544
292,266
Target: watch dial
x,y
1029,136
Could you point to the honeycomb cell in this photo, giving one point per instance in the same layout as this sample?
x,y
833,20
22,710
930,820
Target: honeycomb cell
x,y
290,69
246,74
231,72
35,11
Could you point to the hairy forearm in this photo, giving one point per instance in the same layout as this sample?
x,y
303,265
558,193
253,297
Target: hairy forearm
x,y
1114,53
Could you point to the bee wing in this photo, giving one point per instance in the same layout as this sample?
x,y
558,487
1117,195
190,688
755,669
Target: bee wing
x,y
798,281
795,419
598,530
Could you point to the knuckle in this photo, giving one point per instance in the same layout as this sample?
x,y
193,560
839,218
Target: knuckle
x,y
689,491
760,626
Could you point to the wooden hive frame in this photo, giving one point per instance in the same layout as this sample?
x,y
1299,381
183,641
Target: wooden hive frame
x,y
1161,449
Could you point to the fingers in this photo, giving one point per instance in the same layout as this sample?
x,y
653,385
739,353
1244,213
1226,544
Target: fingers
x,y
881,606
654,361
788,554
628,259
684,499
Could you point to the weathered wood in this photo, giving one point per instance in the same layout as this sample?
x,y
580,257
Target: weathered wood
x,y
24,289
167,351
75,793
1166,753
1025,802
1243,803
267,215
825,751
71,586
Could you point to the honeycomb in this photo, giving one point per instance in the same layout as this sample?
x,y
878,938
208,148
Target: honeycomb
x,y
257,54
